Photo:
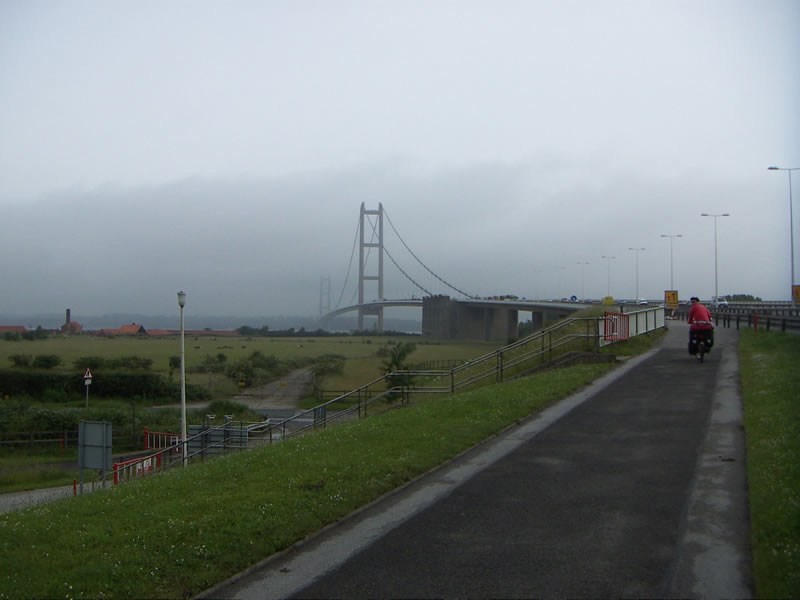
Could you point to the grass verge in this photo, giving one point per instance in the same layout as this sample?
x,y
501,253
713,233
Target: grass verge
x,y
181,532
770,391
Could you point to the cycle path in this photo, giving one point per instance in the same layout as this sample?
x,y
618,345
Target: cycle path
x,y
633,487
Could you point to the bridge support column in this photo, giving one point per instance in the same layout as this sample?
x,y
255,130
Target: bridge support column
x,y
363,257
444,318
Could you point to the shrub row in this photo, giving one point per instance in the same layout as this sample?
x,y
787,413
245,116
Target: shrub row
x,y
125,385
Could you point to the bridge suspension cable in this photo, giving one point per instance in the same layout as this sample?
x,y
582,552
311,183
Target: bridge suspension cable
x,y
424,266
411,279
407,276
373,225
349,266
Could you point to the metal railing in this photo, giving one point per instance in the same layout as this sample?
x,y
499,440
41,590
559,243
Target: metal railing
x,y
756,319
514,360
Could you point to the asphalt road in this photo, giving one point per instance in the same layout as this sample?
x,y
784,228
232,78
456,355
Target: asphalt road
x,y
634,487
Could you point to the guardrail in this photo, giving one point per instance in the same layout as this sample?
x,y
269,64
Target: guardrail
x,y
727,317
513,360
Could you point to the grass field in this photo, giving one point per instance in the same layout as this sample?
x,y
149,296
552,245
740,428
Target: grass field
x,y
771,390
360,352
362,365
18,473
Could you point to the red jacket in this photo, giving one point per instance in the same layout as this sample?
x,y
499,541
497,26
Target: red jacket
x,y
699,317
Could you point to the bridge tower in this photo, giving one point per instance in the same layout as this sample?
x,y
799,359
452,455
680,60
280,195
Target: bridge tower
x,y
362,266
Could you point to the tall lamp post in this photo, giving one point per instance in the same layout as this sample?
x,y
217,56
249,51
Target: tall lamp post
x,y
716,288
791,218
182,303
671,237
608,260
637,250
583,286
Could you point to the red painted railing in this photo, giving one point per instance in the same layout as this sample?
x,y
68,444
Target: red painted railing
x,y
616,326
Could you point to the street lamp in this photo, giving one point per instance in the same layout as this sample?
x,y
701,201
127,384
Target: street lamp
x,y
671,237
637,250
791,221
716,289
609,259
182,303
583,286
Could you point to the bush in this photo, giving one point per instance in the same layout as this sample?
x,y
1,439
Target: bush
x,y
36,334
21,360
266,363
48,419
135,363
58,396
121,385
46,361
12,413
89,362
240,412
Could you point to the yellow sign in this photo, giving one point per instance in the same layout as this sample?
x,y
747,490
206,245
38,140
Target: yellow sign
x,y
796,294
671,299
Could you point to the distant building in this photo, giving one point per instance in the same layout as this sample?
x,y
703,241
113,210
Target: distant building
x,y
132,329
12,329
71,327
160,332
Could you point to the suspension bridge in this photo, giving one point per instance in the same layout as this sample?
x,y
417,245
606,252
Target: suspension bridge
x,y
464,316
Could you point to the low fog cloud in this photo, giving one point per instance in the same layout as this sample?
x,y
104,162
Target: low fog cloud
x,y
261,246
152,147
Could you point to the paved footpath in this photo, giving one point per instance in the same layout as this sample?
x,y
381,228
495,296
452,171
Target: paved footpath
x,y
634,487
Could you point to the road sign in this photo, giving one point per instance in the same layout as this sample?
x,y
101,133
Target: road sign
x,y
671,299
87,381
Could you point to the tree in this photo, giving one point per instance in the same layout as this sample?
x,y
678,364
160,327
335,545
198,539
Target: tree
x,y
328,364
37,334
241,371
174,363
397,362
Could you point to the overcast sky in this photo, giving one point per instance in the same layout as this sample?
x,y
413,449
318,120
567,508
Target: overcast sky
x,y
224,148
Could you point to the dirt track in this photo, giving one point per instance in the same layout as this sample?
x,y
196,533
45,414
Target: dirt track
x,y
283,395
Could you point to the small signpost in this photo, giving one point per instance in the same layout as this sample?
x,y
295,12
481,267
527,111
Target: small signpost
x,y
87,381
94,447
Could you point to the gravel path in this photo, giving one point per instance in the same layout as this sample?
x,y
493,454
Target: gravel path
x,y
19,500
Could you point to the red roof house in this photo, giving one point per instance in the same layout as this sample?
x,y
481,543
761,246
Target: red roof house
x,y
132,329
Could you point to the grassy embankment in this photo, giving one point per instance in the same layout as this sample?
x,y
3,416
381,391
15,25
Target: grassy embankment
x,y
771,390
362,359
21,471
152,539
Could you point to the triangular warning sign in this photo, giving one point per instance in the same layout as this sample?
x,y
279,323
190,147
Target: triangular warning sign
x,y
88,374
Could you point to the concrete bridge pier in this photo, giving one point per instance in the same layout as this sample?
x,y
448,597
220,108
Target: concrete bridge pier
x,y
444,318
537,319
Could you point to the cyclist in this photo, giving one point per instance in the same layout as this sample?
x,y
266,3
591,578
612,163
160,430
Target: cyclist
x,y
699,320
